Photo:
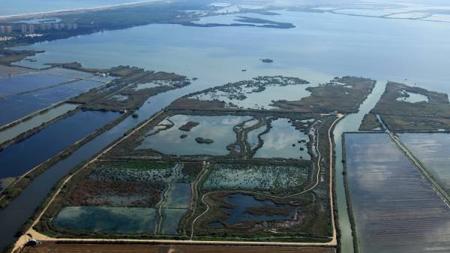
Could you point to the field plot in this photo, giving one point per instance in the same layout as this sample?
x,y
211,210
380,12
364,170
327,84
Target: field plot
x,y
164,248
433,150
394,207
12,132
264,199
126,197
20,157
26,103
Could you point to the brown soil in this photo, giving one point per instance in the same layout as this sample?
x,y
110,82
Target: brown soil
x,y
151,248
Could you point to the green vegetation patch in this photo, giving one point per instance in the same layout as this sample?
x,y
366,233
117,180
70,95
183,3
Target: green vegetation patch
x,y
430,115
343,94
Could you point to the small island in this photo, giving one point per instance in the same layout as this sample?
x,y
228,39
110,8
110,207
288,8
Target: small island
x,y
188,126
201,140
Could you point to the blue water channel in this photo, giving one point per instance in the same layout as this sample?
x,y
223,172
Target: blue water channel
x,y
18,158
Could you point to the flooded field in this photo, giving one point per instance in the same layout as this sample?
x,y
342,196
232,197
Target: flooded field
x,y
18,158
241,204
14,131
434,152
284,141
17,106
167,137
135,197
394,207
118,220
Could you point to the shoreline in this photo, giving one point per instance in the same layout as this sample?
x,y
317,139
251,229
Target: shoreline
x,y
14,17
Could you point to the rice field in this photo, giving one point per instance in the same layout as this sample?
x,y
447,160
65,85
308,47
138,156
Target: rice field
x,y
394,207
433,150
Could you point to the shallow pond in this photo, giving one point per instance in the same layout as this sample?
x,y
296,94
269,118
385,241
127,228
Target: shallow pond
x,y
18,158
172,218
217,128
179,196
262,99
241,203
107,220
283,141
412,97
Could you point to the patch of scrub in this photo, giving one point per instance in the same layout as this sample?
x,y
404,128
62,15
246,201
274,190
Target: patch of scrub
x,y
106,220
216,128
434,152
412,97
269,178
171,220
22,127
120,98
5,182
284,141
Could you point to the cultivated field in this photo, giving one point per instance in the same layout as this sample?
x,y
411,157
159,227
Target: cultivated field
x,y
395,209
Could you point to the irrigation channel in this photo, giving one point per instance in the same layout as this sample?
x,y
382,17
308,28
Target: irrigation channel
x,y
21,209
350,123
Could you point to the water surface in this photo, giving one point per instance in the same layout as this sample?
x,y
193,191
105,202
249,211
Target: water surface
x,y
18,158
433,150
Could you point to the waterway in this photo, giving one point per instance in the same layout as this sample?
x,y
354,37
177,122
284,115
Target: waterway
x,y
12,132
350,123
21,157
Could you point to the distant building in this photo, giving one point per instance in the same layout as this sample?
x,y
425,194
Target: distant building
x,y
23,28
31,28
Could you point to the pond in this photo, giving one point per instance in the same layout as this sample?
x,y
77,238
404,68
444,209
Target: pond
x,y
217,128
179,196
284,141
240,209
106,220
412,97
